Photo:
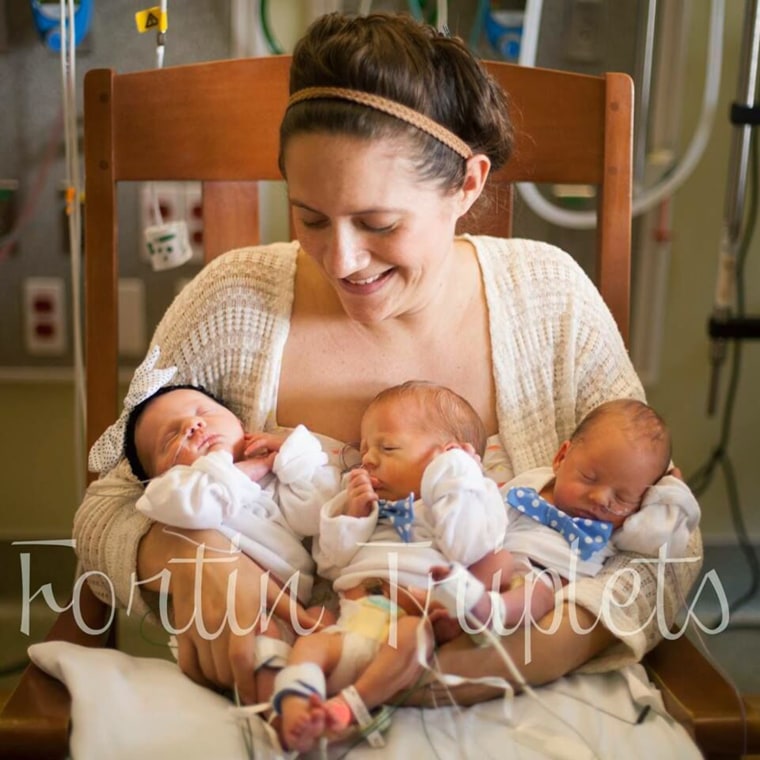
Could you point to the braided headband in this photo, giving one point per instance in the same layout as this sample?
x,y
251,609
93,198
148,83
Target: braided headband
x,y
409,115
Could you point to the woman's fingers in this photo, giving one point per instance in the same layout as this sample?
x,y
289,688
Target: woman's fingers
x,y
188,660
240,656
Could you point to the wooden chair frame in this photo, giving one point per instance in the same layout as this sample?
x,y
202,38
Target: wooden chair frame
x,y
570,128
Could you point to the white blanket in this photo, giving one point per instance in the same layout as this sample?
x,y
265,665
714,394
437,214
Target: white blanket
x,y
125,707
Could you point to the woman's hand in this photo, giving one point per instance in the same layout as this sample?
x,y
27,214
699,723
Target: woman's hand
x,y
216,610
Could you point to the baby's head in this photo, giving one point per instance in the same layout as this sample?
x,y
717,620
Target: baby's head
x,y
617,451
177,425
406,426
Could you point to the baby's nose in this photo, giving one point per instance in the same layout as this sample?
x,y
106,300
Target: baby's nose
x,y
194,426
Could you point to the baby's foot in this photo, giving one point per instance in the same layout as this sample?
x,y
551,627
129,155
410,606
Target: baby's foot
x,y
303,722
338,715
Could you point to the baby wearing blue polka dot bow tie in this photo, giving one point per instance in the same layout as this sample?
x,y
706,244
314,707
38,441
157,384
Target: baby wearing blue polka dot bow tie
x,y
610,488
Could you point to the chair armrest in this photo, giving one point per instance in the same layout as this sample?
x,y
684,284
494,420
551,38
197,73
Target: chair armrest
x,y
35,721
700,698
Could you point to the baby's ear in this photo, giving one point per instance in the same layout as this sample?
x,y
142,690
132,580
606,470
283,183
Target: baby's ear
x,y
559,457
468,448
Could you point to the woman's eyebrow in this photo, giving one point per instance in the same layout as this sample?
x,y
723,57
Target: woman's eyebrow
x,y
300,204
357,212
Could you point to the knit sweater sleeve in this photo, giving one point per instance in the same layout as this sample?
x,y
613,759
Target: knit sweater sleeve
x,y
557,354
226,331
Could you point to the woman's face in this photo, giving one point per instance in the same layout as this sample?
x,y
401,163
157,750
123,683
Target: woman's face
x,y
382,238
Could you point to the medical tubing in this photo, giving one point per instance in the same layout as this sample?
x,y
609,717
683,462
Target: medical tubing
x,y
274,46
711,659
522,683
702,477
73,210
673,181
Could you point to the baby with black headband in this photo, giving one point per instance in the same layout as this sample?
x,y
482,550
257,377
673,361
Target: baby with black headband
x,y
201,470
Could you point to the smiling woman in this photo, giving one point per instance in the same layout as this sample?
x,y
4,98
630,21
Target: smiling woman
x,y
361,213
378,289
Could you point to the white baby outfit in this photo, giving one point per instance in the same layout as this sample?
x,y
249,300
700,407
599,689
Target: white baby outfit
x,y
269,520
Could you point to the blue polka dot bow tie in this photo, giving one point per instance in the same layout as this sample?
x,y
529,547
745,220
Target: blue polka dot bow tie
x,y
400,514
586,536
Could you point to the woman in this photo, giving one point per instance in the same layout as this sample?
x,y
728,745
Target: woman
x,y
378,289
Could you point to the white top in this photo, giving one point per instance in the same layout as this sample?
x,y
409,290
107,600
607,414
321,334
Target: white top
x,y
556,354
460,517
268,520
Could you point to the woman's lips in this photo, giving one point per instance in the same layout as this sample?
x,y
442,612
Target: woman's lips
x,y
367,285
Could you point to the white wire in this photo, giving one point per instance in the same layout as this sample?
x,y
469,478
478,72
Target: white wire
x,y
514,671
365,7
73,200
442,15
650,197
708,654
529,38
158,218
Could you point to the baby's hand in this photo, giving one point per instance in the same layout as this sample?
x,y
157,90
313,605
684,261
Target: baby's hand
x,y
262,444
361,494
257,467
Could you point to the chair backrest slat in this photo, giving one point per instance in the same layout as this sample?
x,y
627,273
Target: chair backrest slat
x,y
218,123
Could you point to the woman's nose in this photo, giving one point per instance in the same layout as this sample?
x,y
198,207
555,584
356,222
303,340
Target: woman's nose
x,y
345,254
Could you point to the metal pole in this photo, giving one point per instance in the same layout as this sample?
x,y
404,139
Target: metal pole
x,y
735,192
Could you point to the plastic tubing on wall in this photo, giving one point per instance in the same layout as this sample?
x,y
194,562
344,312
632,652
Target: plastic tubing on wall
x,y
649,197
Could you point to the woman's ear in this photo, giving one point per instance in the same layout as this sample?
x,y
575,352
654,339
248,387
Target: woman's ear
x,y
559,457
476,174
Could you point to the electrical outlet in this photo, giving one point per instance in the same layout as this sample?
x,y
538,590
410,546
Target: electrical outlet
x,y
174,202
194,219
44,316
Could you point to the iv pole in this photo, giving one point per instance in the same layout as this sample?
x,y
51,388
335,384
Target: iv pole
x,y
744,116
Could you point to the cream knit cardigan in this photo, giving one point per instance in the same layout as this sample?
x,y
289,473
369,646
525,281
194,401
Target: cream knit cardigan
x,y
556,354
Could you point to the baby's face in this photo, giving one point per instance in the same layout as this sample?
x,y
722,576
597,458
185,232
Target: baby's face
x,y
182,425
604,475
395,450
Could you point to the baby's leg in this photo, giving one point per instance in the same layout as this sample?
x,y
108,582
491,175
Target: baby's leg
x,y
494,572
272,654
519,590
273,649
394,668
303,719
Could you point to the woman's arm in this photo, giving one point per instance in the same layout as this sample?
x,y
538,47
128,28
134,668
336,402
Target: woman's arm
x,y
200,571
197,336
539,655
